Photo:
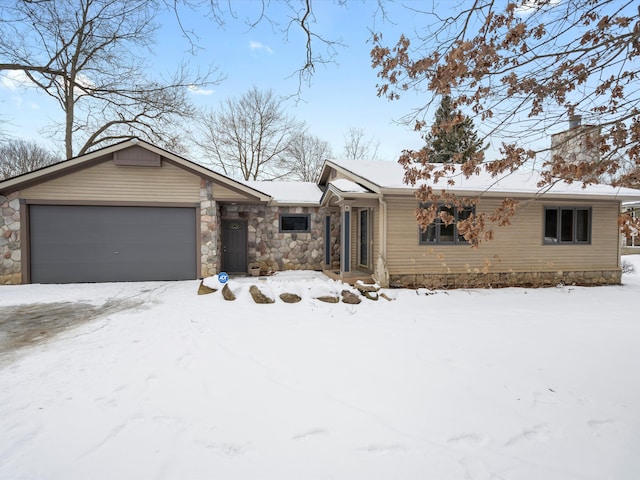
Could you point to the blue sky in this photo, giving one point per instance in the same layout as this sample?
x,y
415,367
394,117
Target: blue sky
x,y
341,95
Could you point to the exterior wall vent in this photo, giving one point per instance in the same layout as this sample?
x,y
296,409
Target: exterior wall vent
x,y
137,156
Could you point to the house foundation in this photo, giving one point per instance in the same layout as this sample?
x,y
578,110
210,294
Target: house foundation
x,y
507,279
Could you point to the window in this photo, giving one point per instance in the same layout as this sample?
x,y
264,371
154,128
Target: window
x,y
441,234
294,223
363,256
567,225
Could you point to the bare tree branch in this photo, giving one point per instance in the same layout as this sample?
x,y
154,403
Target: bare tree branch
x,y
89,55
358,147
519,69
248,136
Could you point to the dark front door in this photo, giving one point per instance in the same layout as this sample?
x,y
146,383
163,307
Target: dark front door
x,y
234,246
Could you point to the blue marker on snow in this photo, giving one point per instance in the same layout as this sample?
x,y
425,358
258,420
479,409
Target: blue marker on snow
x,y
223,277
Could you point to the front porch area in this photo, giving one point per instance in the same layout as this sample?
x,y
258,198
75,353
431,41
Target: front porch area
x,y
350,277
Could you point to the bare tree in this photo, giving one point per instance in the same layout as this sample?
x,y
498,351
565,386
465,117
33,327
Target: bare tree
x,y
248,136
89,55
304,157
290,18
22,156
521,68
358,147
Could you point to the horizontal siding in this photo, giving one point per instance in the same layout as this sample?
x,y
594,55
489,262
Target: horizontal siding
x,y
109,182
517,247
220,192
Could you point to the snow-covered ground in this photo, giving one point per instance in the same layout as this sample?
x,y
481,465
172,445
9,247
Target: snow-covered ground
x,y
468,384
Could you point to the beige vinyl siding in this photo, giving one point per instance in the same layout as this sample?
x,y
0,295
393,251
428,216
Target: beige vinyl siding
x,y
515,248
109,182
220,192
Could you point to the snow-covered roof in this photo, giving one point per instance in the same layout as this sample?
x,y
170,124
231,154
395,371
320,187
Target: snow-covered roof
x,y
288,192
389,175
345,185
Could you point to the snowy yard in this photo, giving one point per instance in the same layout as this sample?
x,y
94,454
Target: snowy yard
x,y
469,384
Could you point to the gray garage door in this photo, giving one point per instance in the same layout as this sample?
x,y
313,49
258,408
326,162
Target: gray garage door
x,y
107,244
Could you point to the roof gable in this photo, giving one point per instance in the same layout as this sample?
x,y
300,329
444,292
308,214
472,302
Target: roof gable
x,y
133,152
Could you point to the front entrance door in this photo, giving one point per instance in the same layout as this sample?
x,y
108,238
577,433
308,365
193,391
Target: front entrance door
x,y
234,246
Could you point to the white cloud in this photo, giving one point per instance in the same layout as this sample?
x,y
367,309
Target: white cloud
x,y
532,6
259,46
200,91
14,79
84,81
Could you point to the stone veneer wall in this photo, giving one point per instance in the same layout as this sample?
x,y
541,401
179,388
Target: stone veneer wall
x,y
10,256
335,223
510,279
276,251
209,231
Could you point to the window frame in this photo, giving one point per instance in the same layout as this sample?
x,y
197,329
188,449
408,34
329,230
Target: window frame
x,y
294,215
561,228
438,225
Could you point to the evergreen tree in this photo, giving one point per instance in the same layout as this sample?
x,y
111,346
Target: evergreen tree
x,y
453,138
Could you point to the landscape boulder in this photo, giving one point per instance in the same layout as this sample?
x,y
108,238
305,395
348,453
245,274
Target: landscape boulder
x,y
204,290
290,297
350,298
227,293
328,298
259,296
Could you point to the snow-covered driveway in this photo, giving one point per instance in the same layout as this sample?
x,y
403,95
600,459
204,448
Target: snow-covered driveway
x,y
468,384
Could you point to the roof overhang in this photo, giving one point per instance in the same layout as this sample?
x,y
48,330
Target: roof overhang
x,y
334,196
622,196
328,165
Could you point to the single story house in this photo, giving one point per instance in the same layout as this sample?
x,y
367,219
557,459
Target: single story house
x,y
133,211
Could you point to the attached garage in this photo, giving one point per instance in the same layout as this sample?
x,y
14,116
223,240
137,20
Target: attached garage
x,y
127,212
70,243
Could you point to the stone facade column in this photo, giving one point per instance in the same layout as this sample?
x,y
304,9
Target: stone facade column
x,y
209,230
10,241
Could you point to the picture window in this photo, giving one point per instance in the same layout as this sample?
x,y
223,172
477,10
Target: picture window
x,y
295,223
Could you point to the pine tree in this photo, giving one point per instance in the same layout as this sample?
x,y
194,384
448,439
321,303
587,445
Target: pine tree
x,y
453,138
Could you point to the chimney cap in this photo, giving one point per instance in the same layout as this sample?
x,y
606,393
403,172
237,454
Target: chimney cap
x,y
575,121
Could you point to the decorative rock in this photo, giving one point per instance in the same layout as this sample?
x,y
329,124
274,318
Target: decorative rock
x,y
328,299
371,295
258,296
366,287
227,294
204,290
290,297
350,297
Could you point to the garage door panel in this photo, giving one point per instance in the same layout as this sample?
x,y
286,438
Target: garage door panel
x,y
98,243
